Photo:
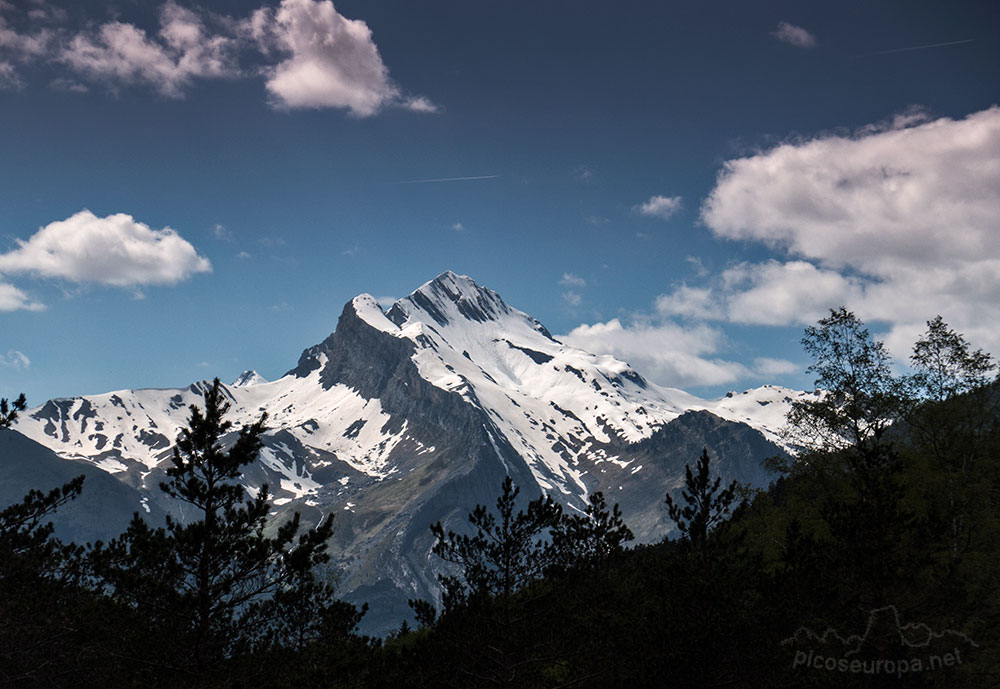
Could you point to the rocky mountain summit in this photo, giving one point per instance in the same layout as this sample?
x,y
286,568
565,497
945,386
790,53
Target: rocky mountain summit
x,y
412,414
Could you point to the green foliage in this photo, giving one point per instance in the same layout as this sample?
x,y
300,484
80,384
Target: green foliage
x,y
37,572
705,505
889,503
220,583
8,411
946,366
592,539
507,551
498,611
861,396
43,610
26,535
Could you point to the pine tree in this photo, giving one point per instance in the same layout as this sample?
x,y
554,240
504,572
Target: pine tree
x,y
705,505
41,625
709,578
26,540
9,410
493,609
504,555
591,539
218,581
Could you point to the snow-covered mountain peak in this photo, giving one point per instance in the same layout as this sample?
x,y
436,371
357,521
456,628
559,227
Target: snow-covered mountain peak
x,y
456,301
248,378
541,396
764,408
403,417
361,393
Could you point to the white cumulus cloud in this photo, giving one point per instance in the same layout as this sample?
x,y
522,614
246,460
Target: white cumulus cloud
x,y
766,367
662,207
794,35
666,353
183,50
330,61
309,55
115,250
898,222
688,302
922,195
671,354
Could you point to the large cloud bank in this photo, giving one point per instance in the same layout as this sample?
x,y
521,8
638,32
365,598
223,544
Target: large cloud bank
x,y
898,222
308,54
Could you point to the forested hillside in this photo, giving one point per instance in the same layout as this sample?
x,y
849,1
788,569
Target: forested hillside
x,y
872,561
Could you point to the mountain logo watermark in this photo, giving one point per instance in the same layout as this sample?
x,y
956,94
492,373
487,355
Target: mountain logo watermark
x,y
887,647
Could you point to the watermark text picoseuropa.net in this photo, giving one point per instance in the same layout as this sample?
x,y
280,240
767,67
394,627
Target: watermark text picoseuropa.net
x,y
887,647
879,666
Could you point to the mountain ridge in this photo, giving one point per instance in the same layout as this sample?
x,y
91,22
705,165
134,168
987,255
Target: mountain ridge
x,y
413,414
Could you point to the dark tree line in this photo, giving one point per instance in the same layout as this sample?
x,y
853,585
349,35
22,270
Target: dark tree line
x,y
888,514
221,600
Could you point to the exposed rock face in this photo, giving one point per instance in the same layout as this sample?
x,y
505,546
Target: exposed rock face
x,y
404,417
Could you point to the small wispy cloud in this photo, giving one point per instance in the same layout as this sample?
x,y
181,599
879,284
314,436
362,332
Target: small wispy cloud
x,y
220,232
662,207
697,265
458,227
571,280
420,104
15,359
67,85
14,299
583,173
794,35
572,298
8,76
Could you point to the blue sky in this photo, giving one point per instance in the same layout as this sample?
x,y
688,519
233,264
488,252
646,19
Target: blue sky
x,y
685,185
